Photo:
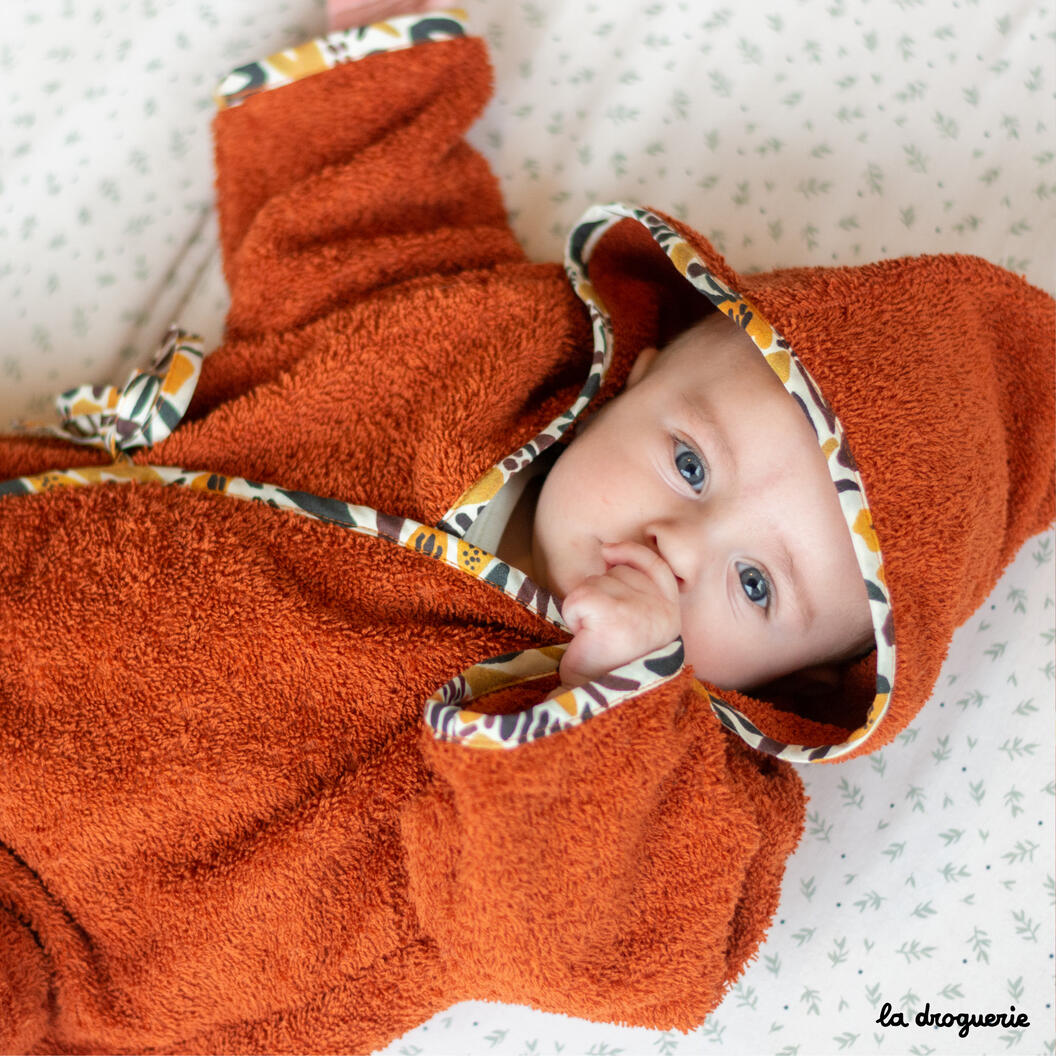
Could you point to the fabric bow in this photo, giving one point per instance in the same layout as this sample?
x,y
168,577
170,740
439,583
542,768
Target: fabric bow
x,y
142,413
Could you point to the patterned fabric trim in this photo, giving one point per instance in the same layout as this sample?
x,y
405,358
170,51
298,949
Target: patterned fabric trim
x,y
410,534
831,438
345,45
461,516
141,413
450,720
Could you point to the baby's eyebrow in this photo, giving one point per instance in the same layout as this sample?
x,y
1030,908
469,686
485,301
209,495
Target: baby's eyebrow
x,y
795,588
703,422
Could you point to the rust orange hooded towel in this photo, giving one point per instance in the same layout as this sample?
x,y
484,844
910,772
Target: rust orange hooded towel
x,y
277,771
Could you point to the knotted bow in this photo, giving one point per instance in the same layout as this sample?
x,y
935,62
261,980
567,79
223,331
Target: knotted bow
x,y
142,413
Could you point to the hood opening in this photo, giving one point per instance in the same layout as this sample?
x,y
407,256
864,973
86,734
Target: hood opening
x,y
650,279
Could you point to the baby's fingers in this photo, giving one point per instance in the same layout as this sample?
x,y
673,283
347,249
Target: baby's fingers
x,y
615,618
592,601
646,561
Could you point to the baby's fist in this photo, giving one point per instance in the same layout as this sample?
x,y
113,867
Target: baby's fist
x,y
620,616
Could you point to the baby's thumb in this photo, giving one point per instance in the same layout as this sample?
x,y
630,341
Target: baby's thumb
x,y
574,669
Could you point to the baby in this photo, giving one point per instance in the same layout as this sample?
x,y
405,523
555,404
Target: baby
x,y
284,764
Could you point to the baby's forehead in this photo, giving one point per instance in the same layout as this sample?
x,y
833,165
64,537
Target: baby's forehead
x,y
715,373
713,353
712,329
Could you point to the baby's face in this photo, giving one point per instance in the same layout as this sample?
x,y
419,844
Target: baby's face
x,y
707,460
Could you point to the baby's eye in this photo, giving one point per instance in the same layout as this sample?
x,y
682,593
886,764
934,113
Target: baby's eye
x,y
690,466
755,585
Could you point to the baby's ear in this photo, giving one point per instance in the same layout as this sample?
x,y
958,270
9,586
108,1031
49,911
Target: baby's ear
x,y
645,360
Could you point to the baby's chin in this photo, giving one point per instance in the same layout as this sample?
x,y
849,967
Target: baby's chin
x,y
762,680
728,673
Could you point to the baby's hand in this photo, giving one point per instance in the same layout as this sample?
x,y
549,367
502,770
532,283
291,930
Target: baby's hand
x,y
343,14
617,617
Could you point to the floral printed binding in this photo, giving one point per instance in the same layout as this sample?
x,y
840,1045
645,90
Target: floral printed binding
x,y
450,720
344,45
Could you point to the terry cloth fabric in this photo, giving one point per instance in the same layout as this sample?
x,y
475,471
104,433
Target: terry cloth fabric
x,y
227,822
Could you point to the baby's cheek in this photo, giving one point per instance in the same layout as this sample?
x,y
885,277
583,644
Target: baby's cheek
x,y
561,546
701,647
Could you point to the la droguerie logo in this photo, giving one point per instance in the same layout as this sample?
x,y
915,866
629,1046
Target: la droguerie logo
x,y
964,1021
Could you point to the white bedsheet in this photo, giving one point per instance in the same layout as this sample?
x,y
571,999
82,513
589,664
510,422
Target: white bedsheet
x,y
815,132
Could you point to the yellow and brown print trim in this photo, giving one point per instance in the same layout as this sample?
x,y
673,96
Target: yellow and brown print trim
x,y
403,531
341,46
447,713
141,413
